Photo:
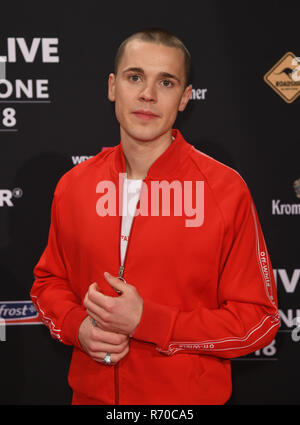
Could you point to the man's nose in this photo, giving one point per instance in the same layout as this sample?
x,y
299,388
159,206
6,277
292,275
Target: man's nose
x,y
148,94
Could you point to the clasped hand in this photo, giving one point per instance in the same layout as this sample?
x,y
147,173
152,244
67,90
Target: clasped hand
x,y
116,317
119,314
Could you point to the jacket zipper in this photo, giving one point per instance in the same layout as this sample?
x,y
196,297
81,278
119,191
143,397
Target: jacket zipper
x,y
121,268
120,275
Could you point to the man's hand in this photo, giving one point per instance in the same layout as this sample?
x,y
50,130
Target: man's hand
x,y
97,342
120,314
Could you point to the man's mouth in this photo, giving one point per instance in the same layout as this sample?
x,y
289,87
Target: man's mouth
x,y
145,115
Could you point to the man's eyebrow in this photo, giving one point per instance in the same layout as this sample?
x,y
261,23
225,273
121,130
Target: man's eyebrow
x,y
161,74
133,69
168,75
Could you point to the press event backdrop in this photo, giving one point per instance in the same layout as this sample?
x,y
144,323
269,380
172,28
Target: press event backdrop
x,y
54,113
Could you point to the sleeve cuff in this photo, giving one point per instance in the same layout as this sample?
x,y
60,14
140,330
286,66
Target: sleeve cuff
x,y
71,326
156,324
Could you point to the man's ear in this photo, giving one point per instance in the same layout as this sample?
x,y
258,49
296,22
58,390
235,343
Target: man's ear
x,y
185,98
111,87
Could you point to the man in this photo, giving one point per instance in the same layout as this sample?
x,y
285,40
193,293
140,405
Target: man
x,y
154,321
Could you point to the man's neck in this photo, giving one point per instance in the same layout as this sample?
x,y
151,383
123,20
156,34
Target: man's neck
x,y
140,155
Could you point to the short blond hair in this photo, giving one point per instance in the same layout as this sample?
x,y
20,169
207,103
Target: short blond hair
x,y
159,36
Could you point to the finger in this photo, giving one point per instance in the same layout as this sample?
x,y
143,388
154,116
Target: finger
x,y
116,283
107,336
108,327
107,348
98,314
100,356
96,298
115,358
97,302
98,323
92,288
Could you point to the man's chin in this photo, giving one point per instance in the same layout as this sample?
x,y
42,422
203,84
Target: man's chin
x,y
145,135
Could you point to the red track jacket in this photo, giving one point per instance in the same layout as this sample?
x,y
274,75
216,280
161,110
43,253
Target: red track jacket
x,y
208,290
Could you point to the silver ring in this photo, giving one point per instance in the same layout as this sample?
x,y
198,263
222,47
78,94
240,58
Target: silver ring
x,y
122,278
107,359
117,290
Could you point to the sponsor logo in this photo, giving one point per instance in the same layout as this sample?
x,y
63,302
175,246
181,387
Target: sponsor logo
x,y
7,196
279,208
19,313
198,94
77,159
284,77
284,209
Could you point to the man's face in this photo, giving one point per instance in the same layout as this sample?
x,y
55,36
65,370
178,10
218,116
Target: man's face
x,y
149,89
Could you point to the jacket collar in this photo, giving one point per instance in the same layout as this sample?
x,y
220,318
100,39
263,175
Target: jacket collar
x,y
165,166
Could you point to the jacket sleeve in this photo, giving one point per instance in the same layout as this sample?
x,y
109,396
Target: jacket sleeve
x,y
58,306
247,316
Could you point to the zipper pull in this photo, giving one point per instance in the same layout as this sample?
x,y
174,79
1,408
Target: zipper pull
x,y
121,271
120,276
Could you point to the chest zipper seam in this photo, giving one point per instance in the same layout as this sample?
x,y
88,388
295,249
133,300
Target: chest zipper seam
x,y
120,274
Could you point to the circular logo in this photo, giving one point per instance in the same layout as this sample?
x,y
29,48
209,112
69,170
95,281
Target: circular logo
x,y
17,192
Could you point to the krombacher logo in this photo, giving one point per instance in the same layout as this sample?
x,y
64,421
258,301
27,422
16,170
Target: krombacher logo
x,y
279,208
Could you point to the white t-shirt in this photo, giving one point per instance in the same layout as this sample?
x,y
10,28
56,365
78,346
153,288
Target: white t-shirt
x,y
131,194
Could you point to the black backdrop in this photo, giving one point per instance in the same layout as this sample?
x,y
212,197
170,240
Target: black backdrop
x,y
66,52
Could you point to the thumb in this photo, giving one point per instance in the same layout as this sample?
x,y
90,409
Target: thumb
x,y
114,282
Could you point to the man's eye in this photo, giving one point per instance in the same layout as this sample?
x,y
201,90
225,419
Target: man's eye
x,y
134,78
167,83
